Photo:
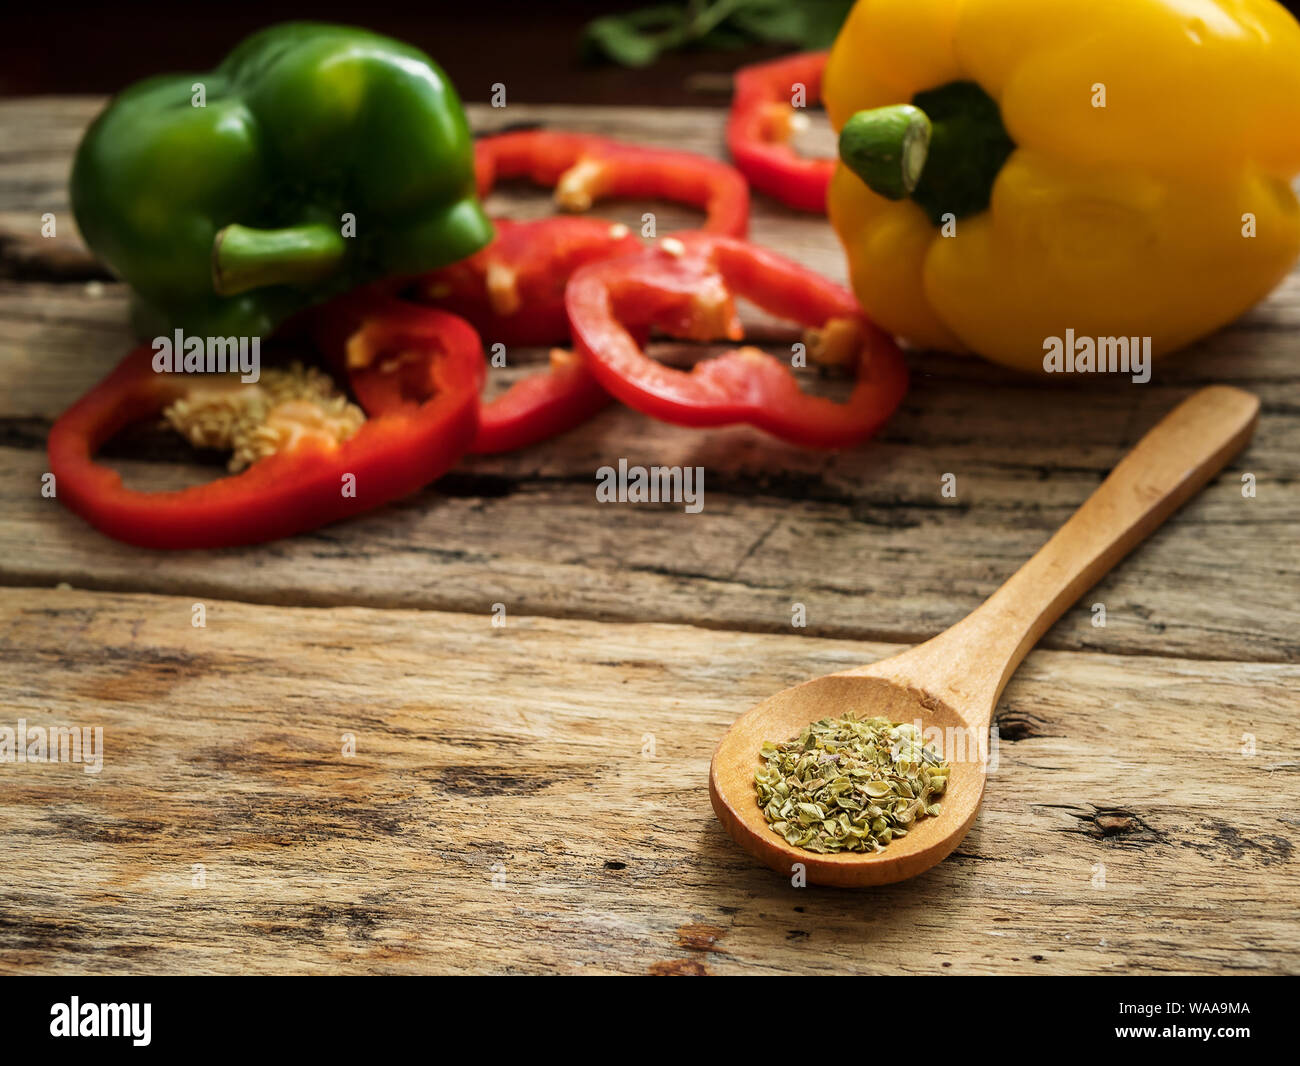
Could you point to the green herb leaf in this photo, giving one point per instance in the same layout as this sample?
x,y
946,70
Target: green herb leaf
x,y
837,786
638,38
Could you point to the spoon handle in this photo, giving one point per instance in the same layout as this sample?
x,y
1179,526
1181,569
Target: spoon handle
x,y
970,663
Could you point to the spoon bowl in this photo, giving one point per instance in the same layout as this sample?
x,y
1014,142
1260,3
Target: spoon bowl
x,y
949,686
731,784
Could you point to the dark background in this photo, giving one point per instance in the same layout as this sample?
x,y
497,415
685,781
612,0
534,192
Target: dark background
x,y
531,46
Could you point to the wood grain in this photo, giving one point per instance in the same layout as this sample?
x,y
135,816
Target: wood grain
x,y
520,748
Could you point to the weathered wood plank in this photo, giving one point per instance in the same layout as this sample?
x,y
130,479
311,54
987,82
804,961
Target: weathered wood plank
x,y
515,752
863,539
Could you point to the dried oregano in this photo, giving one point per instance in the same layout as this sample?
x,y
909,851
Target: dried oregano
x,y
845,784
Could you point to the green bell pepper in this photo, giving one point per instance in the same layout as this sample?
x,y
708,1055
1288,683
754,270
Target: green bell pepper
x,y
317,158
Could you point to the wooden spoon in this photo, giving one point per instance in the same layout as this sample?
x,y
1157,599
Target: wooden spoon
x,y
952,682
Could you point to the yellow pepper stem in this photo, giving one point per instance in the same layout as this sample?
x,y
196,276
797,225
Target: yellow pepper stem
x,y
886,147
944,149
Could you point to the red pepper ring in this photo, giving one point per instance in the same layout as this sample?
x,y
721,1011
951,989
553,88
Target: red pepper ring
x,y
686,287
512,291
761,124
540,406
297,488
584,168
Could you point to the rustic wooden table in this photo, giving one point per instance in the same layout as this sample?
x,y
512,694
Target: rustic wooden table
x,y
533,797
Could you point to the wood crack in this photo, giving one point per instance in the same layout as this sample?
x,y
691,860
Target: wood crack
x,y
26,257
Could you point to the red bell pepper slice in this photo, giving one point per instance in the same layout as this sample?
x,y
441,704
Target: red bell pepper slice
x,y
532,410
301,485
584,168
541,406
513,293
760,126
686,286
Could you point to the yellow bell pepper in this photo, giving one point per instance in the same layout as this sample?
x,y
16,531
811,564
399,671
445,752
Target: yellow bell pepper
x,y
1117,169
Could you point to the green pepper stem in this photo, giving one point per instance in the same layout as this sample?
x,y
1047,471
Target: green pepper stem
x,y
245,258
887,147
